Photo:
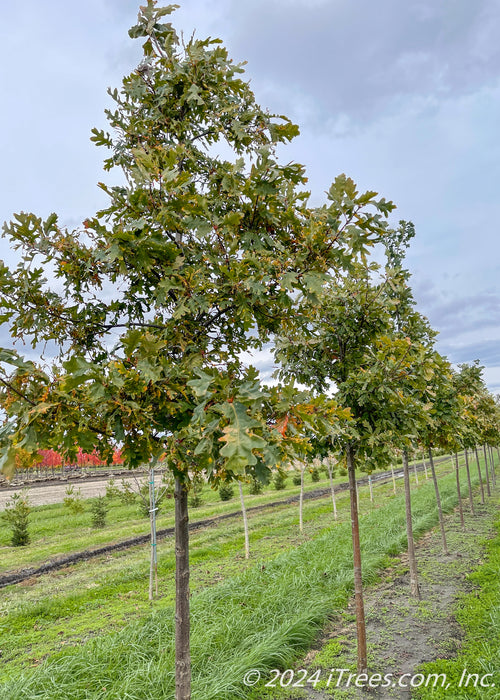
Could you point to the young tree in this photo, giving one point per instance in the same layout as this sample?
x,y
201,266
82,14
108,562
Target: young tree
x,y
197,258
479,418
347,343
415,369
16,515
488,432
467,380
444,424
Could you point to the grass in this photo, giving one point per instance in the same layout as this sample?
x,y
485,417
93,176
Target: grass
x,y
56,531
259,618
474,673
111,590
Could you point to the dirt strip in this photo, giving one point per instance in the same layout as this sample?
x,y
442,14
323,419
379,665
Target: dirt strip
x,y
402,632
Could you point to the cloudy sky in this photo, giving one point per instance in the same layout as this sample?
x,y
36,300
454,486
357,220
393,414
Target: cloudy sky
x,y
404,97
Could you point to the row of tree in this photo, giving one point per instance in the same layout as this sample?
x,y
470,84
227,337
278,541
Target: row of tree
x,y
51,459
209,250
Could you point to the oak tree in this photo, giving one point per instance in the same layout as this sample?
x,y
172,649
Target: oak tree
x,y
201,251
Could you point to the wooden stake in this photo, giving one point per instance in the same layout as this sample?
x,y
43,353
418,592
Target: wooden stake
x,y
471,501
414,587
301,499
245,522
438,501
182,622
488,490
330,476
480,476
457,475
362,663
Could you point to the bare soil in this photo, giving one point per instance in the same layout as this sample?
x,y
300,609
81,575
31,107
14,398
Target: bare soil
x,y
47,492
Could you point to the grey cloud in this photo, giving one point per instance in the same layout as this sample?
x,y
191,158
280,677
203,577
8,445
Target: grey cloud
x,y
487,352
456,311
358,58
461,315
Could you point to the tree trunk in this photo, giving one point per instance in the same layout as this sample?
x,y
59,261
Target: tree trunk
x,y
414,588
471,502
480,476
492,462
245,522
438,501
330,476
393,480
182,622
358,582
460,509
301,499
488,490
371,487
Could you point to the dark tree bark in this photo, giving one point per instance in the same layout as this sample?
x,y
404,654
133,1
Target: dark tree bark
x,y
460,509
414,587
438,501
358,582
471,501
492,462
182,623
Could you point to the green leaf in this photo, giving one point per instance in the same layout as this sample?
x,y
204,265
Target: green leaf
x,y
193,95
8,461
200,386
11,357
239,438
314,282
78,372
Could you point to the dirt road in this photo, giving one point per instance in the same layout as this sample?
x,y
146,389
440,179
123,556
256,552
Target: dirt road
x,y
54,493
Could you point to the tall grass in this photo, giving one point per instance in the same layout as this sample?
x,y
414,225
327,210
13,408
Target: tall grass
x,y
260,619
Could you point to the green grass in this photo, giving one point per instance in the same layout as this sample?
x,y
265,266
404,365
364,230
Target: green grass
x,y
109,591
260,618
479,616
56,531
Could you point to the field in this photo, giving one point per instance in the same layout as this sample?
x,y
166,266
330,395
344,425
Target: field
x,y
89,630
